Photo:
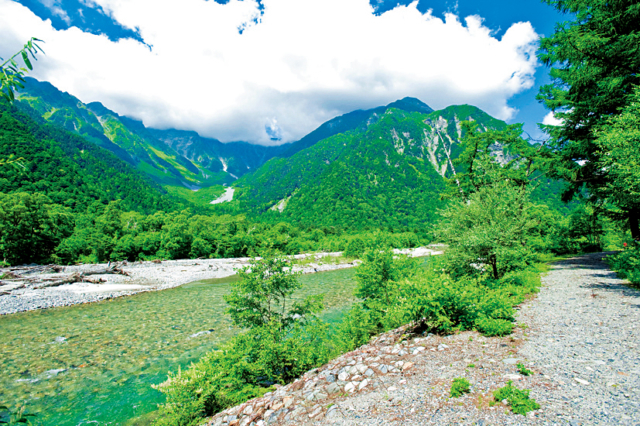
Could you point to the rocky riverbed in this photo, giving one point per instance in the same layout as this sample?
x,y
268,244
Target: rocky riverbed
x,y
32,287
579,338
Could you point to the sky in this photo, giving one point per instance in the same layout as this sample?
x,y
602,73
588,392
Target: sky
x,y
271,71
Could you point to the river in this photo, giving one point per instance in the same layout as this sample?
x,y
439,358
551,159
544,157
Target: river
x,y
94,364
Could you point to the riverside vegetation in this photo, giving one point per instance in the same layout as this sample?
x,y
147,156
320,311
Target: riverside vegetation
x,y
497,211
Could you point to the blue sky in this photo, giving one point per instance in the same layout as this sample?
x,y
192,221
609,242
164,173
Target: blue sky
x,y
251,69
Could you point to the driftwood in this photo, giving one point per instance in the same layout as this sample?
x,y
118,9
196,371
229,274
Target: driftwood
x,y
79,277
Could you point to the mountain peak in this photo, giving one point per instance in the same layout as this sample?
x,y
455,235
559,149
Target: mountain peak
x,y
411,105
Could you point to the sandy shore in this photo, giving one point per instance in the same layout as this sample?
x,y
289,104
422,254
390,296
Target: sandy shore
x,y
21,293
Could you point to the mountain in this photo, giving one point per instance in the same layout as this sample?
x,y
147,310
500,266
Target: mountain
x,y
233,158
351,121
169,157
387,169
70,170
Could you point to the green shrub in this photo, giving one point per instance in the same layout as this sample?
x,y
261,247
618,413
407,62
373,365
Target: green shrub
x,y
459,387
493,326
627,263
518,400
356,328
355,248
282,341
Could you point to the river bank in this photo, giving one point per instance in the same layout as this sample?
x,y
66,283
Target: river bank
x,y
578,338
33,287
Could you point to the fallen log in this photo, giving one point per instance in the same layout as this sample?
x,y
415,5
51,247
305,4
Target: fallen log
x,y
78,277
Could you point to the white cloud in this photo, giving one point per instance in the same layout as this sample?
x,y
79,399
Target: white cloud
x,y
306,62
55,7
551,120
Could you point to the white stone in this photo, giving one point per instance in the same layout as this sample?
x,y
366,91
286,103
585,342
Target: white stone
x,y
363,384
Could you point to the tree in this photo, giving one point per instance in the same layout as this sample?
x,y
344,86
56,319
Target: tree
x,y
489,233
618,143
31,227
263,295
493,155
595,65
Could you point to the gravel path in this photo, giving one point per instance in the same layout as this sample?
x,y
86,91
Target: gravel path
x,y
580,338
585,337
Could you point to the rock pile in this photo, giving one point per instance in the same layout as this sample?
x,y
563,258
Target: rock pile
x,y
382,369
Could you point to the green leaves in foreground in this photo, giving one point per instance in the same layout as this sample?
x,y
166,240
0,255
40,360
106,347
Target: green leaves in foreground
x,y
11,74
518,400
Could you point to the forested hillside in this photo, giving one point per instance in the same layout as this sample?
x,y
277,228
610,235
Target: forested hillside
x,y
387,171
70,170
170,157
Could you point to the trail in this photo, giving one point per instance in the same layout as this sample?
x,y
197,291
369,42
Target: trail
x,y
585,327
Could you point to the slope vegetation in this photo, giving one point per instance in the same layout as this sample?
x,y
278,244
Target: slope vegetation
x,y
387,171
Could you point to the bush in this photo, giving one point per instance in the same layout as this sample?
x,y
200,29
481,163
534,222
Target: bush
x,y
494,327
355,248
283,340
518,400
459,387
627,263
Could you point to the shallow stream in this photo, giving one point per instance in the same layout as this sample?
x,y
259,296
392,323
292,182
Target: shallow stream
x,y
94,364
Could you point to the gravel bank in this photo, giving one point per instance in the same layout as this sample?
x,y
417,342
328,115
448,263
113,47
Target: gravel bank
x,y
20,293
582,349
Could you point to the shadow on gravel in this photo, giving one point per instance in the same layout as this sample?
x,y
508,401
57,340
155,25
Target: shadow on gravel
x,y
595,261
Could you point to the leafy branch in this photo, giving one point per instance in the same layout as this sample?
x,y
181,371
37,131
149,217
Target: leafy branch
x,y
11,74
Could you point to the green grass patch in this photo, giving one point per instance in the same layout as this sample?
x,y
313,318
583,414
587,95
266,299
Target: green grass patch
x,y
518,399
459,387
202,197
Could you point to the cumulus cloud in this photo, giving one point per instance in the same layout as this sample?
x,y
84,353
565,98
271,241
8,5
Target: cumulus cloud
x,y
298,64
551,120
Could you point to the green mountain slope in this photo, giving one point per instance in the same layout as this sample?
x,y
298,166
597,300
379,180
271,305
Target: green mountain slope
x,y
387,171
352,121
170,157
70,170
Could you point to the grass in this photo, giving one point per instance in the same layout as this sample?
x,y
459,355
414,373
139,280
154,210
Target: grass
x,y
202,197
518,399
459,387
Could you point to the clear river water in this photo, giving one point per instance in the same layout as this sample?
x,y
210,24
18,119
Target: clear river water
x,y
94,364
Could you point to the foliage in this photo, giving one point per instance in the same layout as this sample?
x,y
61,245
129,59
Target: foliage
x,y
31,227
260,296
523,370
618,144
278,346
595,63
581,231
11,74
627,262
518,400
490,233
459,387
491,156
355,248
